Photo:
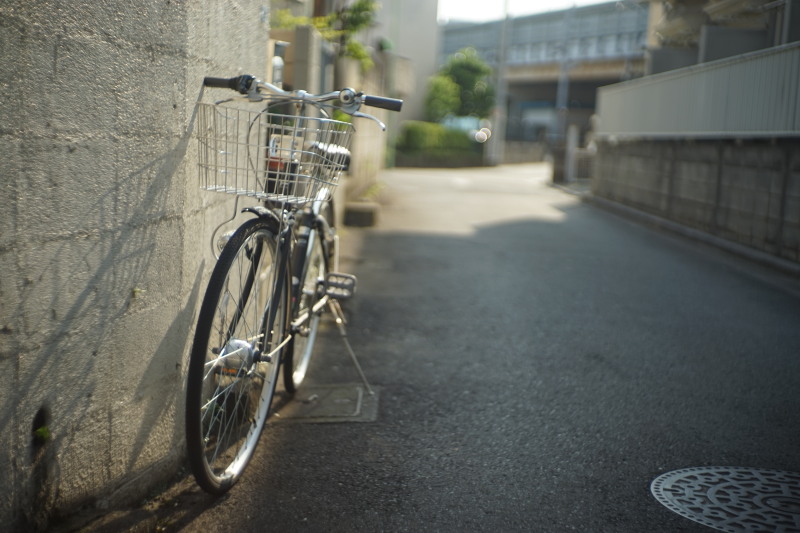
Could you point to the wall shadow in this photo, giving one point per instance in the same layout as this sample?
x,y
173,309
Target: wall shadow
x,y
76,349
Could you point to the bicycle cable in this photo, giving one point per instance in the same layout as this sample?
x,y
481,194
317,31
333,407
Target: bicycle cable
x,y
215,250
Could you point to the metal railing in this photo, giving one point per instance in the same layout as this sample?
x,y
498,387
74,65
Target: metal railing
x,y
752,95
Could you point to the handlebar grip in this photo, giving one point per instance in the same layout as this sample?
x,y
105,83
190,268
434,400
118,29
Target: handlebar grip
x,y
391,104
238,83
220,83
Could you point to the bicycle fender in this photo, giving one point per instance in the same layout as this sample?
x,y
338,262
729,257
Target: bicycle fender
x,y
262,212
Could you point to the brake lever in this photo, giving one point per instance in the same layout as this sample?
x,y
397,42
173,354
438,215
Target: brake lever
x,y
359,114
350,102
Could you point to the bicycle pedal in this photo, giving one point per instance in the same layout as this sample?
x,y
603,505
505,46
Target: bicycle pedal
x,y
340,286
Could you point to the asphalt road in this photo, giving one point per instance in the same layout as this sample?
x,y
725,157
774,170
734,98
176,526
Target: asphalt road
x,y
538,361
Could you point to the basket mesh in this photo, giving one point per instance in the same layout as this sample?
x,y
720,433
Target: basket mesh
x,y
270,156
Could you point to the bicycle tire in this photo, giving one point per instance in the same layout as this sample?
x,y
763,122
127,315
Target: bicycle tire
x,y
244,315
301,348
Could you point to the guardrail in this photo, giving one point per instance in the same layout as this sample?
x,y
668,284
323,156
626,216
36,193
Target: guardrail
x,y
748,96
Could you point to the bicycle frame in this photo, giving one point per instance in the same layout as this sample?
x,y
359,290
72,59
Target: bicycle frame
x,y
272,279
292,249
313,226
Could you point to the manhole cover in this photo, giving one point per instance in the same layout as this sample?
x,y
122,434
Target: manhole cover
x,y
328,403
733,499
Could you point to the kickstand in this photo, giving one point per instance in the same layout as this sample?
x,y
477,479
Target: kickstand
x,y
338,315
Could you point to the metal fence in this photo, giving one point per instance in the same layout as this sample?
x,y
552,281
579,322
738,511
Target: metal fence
x,y
752,95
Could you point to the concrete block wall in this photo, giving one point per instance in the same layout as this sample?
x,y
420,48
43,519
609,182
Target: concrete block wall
x,y
369,142
746,191
103,239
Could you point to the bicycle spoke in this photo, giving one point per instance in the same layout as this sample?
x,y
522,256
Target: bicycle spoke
x,y
233,383
249,316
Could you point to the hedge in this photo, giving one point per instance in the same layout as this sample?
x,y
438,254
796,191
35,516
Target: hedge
x,y
431,144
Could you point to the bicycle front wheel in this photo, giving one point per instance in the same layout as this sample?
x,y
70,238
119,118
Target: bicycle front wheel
x,y
235,356
298,356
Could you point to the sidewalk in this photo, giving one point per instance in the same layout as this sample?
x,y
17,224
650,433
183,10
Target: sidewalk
x,y
579,187
582,189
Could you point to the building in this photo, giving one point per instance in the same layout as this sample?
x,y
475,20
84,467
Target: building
x,y
401,65
404,39
715,144
554,62
411,32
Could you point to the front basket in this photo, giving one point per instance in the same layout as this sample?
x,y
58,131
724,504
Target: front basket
x,y
270,156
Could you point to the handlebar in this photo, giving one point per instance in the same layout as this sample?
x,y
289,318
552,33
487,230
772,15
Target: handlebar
x,y
390,104
349,98
239,83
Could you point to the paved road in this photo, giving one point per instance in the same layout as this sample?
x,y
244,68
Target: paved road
x,y
539,362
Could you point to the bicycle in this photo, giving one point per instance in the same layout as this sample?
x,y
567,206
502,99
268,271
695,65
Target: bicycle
x,y
276,273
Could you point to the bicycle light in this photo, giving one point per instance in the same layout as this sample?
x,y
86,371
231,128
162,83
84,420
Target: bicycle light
x,y
223,239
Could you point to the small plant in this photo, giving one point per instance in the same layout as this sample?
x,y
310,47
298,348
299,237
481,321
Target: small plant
x,y
42,435
40,431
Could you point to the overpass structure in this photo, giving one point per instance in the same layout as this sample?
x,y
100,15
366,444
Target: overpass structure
x,y
552,64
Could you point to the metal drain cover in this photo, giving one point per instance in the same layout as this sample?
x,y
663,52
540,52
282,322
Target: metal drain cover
x,y
328,403
733,499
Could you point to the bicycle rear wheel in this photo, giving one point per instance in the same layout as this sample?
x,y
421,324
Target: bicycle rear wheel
x,y
235,356
298,356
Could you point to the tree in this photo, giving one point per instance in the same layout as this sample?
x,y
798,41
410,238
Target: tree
x,y
339,27
348,22
444,98
472,75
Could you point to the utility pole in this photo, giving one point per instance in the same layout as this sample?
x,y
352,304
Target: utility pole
x,y
558,147
497,144
562,92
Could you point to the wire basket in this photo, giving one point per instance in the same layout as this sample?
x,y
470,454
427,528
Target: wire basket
x,y
271,156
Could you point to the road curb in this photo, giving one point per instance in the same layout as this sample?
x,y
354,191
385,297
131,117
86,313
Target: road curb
x,y
752,254
361,214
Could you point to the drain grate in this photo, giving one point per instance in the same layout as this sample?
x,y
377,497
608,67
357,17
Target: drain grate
x,y
733,499
328,403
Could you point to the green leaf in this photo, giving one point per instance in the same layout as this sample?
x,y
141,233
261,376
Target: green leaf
x,y
42,434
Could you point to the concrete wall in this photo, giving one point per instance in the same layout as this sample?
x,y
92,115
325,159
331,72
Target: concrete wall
x,y
103,239
717,42
412,29
744,191
369,142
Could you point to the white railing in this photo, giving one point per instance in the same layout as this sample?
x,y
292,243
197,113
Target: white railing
x,y
752,95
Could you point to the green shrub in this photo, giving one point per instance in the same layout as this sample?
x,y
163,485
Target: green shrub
x,y
417,136
457,140
431,144
444,98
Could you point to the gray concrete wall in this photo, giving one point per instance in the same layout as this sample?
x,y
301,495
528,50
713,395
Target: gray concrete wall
x,y
103,239
369,141
717,42
412,29
744,191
